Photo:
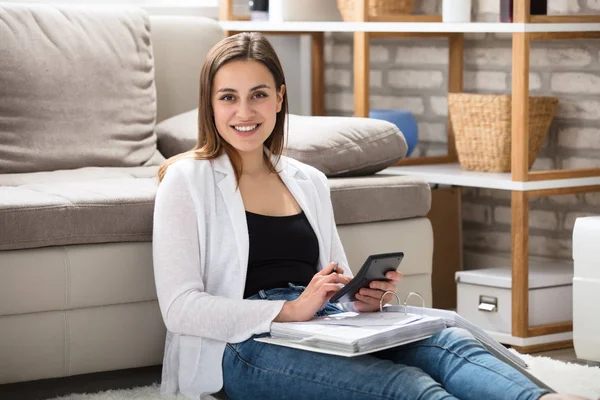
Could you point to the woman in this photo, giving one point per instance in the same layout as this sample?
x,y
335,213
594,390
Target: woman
x,y
244,236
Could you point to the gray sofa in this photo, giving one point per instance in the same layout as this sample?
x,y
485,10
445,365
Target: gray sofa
x,y
83,94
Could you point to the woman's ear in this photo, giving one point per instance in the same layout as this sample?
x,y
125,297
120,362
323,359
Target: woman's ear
x,y
280,95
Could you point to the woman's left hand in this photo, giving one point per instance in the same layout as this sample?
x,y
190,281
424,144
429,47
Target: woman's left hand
x,y
369,298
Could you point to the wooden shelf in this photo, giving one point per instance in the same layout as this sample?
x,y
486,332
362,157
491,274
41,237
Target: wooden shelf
x,y
574,19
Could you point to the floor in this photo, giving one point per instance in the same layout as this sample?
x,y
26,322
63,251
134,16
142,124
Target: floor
x,y
47,389
91,383
567,355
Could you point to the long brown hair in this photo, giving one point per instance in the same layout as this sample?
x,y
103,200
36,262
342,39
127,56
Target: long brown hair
x,y
210,145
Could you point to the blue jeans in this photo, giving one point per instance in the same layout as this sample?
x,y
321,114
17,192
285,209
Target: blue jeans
x,y
449,365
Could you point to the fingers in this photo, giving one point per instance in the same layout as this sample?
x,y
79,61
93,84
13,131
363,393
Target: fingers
x,y
330,287
330,268
394,276
335,279
321,278
383,285
338,278
373,296
372,293
368,299
387,298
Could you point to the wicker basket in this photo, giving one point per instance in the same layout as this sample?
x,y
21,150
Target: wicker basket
x,y
376,8
482,129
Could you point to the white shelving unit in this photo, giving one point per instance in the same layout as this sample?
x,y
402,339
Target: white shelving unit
x,y
407,27
522,183
453,174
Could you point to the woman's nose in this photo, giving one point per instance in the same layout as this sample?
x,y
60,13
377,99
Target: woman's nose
x,y
245,110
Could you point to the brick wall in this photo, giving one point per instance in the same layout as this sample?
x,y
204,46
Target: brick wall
x,y
412,74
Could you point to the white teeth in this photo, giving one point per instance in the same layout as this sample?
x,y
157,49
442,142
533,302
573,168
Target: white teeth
x,y
245,128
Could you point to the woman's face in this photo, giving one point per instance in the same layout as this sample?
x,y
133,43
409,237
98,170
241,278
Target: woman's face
x,y
245,104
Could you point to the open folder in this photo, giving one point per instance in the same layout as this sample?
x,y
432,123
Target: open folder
x,y
352,334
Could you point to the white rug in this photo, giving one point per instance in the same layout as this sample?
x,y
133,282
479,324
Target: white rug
x,y
562,377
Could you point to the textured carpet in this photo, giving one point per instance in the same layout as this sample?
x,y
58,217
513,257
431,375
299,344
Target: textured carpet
x,y
562,377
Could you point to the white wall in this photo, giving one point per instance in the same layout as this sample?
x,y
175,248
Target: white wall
x,y
294,54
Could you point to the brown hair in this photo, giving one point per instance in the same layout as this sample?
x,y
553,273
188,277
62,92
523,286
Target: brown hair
x,y
210,145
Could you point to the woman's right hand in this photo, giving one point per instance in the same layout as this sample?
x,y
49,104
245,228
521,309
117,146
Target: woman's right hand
x,y
321,288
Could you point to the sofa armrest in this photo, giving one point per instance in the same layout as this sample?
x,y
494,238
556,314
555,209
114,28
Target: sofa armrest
x,y
177,134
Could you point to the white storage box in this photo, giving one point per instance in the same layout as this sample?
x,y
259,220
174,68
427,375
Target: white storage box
x,y
586,286
305,10
484,296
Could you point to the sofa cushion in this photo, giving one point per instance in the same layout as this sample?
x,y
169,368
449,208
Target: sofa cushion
x,y
104,205
76,175
77,207
77,88
345,146
379,197
337,146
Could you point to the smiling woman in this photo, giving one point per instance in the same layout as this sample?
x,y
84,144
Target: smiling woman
x,y
241,85
245,112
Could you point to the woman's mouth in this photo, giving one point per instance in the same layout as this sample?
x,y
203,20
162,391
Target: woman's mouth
x,y
246,130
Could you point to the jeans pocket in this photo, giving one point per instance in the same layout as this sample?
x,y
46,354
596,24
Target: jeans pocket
x,y
245,346
233,346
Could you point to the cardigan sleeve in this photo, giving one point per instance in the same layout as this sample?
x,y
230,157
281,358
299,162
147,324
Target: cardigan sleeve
x,y
185,306
337,249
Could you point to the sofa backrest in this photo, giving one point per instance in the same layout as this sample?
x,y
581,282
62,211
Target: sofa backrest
x,y
180,48
76,88
79,85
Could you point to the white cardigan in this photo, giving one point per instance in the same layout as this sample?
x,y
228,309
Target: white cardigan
x,y
200,250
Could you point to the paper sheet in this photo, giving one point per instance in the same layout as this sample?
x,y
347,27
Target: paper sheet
x,y
367,319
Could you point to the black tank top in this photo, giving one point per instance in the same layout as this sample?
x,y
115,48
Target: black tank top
x,y
282,249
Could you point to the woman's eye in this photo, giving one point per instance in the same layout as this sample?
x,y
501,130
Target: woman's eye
x,y
227,97
260,95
